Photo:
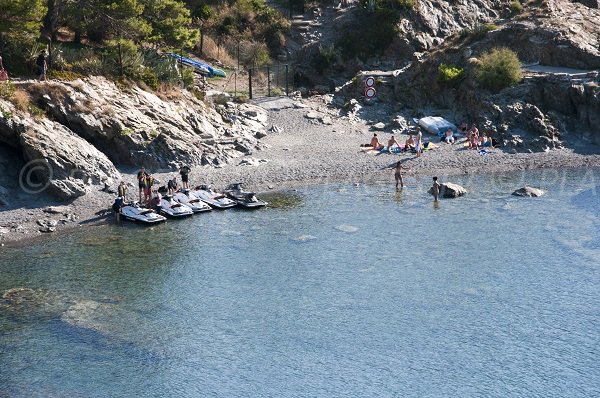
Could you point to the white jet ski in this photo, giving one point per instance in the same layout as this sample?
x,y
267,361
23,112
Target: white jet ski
x,y
217,200
244,198
187,198
169,207
134,212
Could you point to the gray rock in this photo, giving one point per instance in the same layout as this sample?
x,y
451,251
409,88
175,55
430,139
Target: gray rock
x,y
56,210
4,194
528,192
379,126
450,190
47,225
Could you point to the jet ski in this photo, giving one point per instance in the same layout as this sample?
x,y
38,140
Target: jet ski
x,y
187,198
217,200
134,212
243,198
169,207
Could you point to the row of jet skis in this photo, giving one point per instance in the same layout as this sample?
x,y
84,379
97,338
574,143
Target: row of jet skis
x,y
190,201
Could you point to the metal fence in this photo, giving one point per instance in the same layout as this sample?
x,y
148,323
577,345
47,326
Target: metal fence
x,y
269,81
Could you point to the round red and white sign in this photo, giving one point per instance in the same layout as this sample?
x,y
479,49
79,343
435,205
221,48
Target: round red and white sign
x,y
370,81
370,92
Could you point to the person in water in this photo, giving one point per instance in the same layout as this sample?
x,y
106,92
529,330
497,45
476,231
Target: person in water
x,y
435,189
398,174
375,142
391,142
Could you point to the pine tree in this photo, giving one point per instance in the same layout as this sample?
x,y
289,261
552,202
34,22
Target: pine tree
x,y
20,20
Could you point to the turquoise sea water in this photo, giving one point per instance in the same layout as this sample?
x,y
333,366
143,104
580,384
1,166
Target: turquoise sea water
x,y
345,291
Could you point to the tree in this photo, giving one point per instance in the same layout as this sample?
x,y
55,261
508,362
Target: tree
x,y
170,23
53,17
20,20
201,14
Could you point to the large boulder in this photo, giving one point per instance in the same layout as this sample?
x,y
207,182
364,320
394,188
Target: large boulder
x,y
528,192
450,190
55,158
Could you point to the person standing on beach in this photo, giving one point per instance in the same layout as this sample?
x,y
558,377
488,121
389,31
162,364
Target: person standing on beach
x,y
141,176
184,171
148,182
419,142
398,174
435,189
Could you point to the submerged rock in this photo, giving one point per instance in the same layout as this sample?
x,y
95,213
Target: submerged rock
x,y
528,192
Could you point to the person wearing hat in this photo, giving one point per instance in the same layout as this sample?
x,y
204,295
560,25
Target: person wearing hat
x,y
42,65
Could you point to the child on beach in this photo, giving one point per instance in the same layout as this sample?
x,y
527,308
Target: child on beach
x,y
398,174
435,189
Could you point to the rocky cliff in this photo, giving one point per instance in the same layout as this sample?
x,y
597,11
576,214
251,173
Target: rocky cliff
x,y
92,125
551,107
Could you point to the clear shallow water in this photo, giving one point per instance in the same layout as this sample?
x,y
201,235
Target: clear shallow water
x,y
355,291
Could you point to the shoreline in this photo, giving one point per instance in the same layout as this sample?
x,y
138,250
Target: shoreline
x,y
301,152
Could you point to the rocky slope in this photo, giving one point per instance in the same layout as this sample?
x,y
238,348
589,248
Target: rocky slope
x,y
544,111
93,125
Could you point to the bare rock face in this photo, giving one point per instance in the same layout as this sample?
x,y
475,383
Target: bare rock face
x,y
56,158
137,127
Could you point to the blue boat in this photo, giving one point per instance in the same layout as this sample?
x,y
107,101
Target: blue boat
x,y
201,67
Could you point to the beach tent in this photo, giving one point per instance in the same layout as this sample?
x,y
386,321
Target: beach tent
x,y
435,125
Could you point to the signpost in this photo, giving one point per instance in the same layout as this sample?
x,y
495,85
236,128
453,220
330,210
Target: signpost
x,y
370,91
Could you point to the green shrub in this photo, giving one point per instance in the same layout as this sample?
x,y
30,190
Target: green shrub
x,y
450,75
122,58
65,75
516,7
7,90
324,58
148,77
404,4
187,77
498,69
479,31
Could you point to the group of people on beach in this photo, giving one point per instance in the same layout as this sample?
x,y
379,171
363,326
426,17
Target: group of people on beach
x,y
149,196
475,140
411,144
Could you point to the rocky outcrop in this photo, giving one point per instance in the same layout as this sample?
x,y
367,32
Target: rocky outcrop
x,y
93,124
55,158
528,192
137,127
450,190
